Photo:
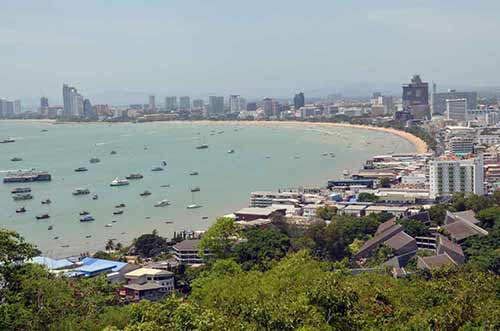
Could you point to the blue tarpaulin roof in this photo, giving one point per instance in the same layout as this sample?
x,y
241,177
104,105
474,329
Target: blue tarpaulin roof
x,y
52,264
91,266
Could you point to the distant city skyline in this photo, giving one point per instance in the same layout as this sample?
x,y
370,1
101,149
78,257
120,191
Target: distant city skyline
x,y
254,49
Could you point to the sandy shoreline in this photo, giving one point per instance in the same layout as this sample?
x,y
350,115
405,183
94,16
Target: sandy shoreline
x,y
420,145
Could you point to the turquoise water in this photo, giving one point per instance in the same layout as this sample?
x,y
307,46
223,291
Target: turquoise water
x,y
226,180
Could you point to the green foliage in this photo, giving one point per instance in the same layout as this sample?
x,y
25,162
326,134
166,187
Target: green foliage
x,y
437,214
150,245
385,182
326,213
484,251
220,238
489,217
414,228
367,197
13,249
261,248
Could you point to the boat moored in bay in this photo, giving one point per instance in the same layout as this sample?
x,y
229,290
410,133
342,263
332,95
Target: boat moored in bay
x,y
22,196
81,191
119,182
20,190
134,176
81,169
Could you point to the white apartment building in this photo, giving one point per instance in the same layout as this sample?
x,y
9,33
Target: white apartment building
x,y
461,145
451,175
456,110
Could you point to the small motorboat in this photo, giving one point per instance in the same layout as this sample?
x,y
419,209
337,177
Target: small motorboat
x,y
162,203
55,238
42,216
231,151
165,185
84,212
195,189
46,201
121,205
114,221
81,191
94,160
87,218
113,152
134,176
164,163
148,217
88,236
204,218
44,130
193,206
16,159
108,225
118,212
194,173
81,169
169,222
119,182
157,169
50,227
20,210
145,194
95,197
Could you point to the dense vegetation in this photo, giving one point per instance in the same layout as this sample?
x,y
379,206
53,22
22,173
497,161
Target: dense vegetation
x,y
283,277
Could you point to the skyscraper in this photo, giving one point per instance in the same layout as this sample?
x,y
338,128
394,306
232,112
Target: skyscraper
x,y
88,112
185,103
439,100
456,110
152,104
66,101
270,107
198,104
171,103
17,107
44,102
416,98
299,100
215,105
234,103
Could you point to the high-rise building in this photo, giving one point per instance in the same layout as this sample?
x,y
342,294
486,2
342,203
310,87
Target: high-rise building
x,y
439,100
66,101
416,98
234,103
270,107
171,103
461,145
215,105
456,110
44,102
185,103
152,104
72,102
198,104
251,106
88,111
451,175
6,108
17,107
299,100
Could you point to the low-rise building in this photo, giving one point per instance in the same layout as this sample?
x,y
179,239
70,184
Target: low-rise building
x,y
186,252
397,211
149,284
253,213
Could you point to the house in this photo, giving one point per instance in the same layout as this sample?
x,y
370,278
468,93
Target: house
x,y
310,210
253,213
186,252
91,267
434,262
387,230
453,250
146,283
462,225
354,210
51,264
394,210
402,243
260,223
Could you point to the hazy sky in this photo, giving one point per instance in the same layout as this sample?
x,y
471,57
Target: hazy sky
x,y
248,47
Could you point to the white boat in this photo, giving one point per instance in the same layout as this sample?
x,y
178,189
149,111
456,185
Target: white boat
x,y
119,182
231,151
162,203
193,206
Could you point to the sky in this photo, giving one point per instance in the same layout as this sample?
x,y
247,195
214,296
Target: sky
x,y
256,48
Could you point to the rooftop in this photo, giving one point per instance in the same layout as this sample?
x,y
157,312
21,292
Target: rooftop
x,y
143,287
147,271
188,245
399,240
50,263
259,211
436,261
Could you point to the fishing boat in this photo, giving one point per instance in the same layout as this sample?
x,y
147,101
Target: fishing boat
x,y
6,141
46,201
145,194
134,176
164,163
162,203
165,185
95,197
84,212
202,144
195,189
20,210
94,160
194,173
16,159
42,216
44,130
108,225
50,227
22,196
169,222
118,212
86,218
20,190
231,151
113,152
88,236
204,218
121,205
81,191
193,205
157,169
119,182
81,169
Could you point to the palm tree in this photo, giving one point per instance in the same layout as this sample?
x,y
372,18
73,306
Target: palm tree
x,y
155,232
110,245
118,246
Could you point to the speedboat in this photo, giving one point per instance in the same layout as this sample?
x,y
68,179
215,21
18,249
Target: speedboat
x,y
164,163
162,203
165,185
86,218
119,182
21,210
145,193
121,205
50,227
42,216
81,191
16,159
81,169
169,222
157,169
194,173
95,197
195,189
24,196
231,151
113,152
84,212
108,225
204,218
6,141
118,212
94,160
20,190
193,206
88,236
46,201
134,176
202,146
